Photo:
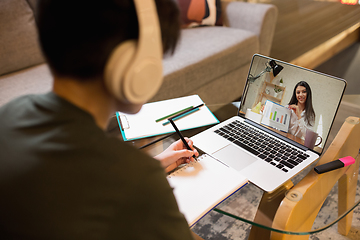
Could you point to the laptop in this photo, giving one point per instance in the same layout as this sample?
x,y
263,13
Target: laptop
x,y
272,139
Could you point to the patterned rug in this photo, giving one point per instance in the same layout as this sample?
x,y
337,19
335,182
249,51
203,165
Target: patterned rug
x,y
218,226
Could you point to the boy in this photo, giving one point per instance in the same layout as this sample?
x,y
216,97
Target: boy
x,y
61,176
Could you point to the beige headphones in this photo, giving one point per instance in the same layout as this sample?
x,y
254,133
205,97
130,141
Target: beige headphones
x,y
133,73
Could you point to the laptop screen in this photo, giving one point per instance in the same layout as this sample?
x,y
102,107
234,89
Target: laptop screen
x,y
297,103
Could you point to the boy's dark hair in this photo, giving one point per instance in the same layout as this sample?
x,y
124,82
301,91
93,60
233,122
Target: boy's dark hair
x,y
78,36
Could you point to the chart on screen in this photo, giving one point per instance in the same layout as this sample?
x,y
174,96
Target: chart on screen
x,y
276,116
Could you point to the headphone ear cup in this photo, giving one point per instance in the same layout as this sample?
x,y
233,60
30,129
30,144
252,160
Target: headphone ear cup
x,y
116,67
143,79
129,80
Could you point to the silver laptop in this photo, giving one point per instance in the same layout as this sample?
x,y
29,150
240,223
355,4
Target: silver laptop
x,y
283,122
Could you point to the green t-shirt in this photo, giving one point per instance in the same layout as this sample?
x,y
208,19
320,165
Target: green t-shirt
x,y
62,177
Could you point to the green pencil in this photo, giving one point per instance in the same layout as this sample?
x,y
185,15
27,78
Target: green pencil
x,y
160,119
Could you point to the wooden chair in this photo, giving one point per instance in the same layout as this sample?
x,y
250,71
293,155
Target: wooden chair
x,y
298,210
314,188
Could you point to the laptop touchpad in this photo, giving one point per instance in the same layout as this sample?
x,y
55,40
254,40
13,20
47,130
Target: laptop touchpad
x,y
234,157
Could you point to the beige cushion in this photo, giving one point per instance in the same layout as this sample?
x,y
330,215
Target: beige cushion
x,y
32,4
32,80
204,55
19,47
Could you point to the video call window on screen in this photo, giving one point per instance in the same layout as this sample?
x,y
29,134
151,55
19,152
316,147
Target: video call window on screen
x,y
295,102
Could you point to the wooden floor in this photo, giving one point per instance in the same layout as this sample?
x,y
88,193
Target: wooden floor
x,y
305,24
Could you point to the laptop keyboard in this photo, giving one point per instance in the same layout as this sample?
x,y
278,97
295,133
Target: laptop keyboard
x,y
270,149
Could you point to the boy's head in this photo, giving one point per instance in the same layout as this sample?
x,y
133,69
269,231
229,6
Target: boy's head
x,y
78,37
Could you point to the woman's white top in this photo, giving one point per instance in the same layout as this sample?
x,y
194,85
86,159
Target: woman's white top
x,y
298,127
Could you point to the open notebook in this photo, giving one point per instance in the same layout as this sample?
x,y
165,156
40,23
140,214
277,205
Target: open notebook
x,y
201,185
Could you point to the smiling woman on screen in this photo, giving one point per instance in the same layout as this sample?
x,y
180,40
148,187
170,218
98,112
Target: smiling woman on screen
x,y
302,111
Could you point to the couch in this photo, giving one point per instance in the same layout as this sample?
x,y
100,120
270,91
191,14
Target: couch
x,y
211,61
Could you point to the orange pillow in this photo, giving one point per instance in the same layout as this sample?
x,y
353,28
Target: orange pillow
x,y
200,12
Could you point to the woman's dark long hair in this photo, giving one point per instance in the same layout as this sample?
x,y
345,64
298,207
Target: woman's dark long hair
x,y
309,113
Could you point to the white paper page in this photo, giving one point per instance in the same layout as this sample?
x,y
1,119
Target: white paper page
x,y
143,123
200,186
276,116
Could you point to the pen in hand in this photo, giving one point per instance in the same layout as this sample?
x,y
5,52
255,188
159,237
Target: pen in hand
x,y
181,137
